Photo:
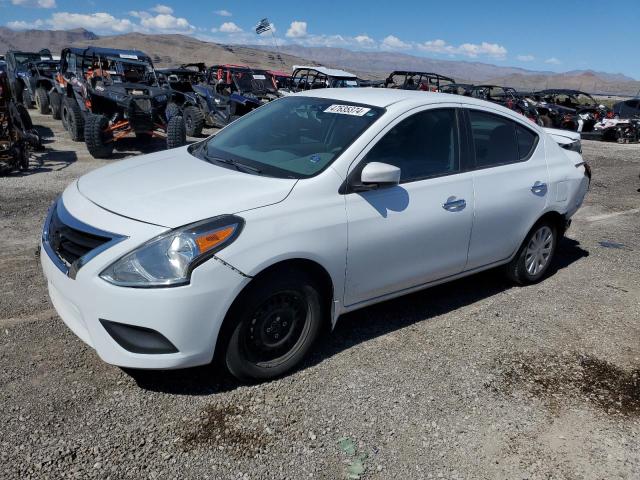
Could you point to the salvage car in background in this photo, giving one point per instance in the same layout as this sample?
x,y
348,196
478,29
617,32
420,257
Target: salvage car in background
x,y
507,97
568,109
311,78
238,246
425,81
31,77
108,94
18,139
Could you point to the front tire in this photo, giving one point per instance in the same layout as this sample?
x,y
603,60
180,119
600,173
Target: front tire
x,y
194,121
72,119
272,326
55,102
27,99
176,132
535,255
98,138
42,101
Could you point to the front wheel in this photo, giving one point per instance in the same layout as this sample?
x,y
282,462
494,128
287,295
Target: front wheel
x,y
535,255
72,119
98,137
193,120
272,326
176,132
55,102
42,100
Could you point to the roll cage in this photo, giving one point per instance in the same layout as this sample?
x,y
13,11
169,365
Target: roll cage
x,y
408,80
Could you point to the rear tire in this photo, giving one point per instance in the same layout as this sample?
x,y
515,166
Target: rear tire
x,y
42,100
194,121
72,119
535,255
55,102
272,326
99,141
176,132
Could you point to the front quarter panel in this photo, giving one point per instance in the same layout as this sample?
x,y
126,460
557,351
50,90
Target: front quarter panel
x,y
309,224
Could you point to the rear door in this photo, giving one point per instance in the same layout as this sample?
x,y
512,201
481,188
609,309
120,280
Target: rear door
x,y
510,181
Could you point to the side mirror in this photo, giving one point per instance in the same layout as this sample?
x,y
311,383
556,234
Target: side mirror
x,y
376,174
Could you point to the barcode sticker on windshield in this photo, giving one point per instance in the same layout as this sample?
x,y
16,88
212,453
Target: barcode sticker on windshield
x,y
129,57
347,110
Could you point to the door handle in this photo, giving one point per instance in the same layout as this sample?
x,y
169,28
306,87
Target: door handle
x,y
539,188
453,205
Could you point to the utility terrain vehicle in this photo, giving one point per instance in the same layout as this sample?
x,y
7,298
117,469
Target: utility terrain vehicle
x,y
31,76
425,81
108,94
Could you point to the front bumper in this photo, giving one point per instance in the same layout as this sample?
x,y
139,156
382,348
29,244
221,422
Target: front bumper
x,y
189,317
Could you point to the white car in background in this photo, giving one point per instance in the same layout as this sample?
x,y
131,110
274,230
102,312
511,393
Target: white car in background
x,y
249,243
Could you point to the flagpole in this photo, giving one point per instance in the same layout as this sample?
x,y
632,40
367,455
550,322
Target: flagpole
x,y
275,42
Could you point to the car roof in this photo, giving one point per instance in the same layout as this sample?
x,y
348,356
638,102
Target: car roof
x,y
384,97
329,72
105,51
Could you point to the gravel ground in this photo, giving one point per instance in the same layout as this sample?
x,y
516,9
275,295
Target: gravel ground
x,y
474,379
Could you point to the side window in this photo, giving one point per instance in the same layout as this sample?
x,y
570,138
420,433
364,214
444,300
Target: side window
x,y
494,139
527,141
423,145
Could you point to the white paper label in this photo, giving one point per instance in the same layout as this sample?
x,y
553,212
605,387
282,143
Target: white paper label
x,y
130,57
259,77
347,110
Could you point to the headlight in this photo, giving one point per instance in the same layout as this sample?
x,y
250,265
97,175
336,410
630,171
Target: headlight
x,y
169,259
575,146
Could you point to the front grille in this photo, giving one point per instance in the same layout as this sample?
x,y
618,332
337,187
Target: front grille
x,y
71,243
141,114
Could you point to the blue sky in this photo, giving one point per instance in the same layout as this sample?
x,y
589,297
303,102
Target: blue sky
x,y
558,35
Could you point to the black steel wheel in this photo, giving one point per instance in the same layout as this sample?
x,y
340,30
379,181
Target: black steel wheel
x,y
273,325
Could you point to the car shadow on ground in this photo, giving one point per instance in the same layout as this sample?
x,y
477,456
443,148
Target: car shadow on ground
x,y
47,161
362,325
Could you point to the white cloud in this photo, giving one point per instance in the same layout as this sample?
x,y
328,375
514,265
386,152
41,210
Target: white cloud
x,y
223,13
364,40
297,29
472,50
229,27
163,9
165,23
553,61
526,58
391,42
35,3
22,25
100,21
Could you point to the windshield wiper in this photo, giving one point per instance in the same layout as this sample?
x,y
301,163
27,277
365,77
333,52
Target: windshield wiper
x,y
234,163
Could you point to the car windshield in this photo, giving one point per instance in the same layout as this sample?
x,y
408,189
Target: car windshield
x,y
348,82
293,137
254,81
22,58
122,68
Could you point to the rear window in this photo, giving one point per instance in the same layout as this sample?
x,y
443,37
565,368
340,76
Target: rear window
x,y
293,136
527,141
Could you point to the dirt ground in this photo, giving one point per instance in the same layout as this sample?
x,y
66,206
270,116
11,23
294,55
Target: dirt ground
x,y
475,379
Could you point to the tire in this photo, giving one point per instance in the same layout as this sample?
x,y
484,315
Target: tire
x,y
176,132
526,267
42,101
546,121
25,118
72,119
27,99
193,121
55,102
99,141
285,303
172,110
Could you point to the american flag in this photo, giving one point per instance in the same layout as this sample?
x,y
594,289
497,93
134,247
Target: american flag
x,y
263,26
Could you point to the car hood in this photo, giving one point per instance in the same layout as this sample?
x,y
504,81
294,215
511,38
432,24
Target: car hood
x,y
173,188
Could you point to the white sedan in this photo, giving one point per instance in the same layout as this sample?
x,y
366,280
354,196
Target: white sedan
x,y
246,245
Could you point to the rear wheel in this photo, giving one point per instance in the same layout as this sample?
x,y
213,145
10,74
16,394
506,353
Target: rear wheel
x,y
535,255
55,102
42,100
272,326
98,138
193,120
72,119
176,132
